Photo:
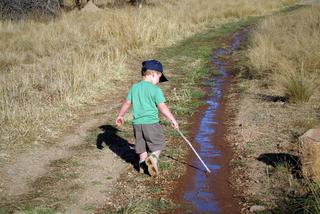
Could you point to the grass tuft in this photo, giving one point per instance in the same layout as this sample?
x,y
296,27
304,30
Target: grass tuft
x,y
146,207
299,85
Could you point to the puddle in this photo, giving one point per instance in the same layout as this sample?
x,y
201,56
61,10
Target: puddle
x,y
212,193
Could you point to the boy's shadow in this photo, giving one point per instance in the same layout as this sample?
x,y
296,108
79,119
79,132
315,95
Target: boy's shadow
x,y
117,144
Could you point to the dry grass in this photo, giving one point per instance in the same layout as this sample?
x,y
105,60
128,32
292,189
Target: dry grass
x,y
47,69
286,50
284,60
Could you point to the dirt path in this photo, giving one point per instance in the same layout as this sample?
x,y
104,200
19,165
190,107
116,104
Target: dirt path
x,y
73,175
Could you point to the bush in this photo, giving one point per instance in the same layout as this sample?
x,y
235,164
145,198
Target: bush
x,y
298,86
20,9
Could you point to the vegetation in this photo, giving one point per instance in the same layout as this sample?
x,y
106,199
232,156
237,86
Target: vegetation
x,y
285,50
280,102
145,207
21,9
48,69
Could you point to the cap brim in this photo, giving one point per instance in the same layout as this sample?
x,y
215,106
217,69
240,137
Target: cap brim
x,y
163,78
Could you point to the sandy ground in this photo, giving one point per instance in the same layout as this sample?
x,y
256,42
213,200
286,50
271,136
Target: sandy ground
x,y
72,174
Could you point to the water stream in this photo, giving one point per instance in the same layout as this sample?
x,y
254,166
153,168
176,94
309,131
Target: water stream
x,y
202,195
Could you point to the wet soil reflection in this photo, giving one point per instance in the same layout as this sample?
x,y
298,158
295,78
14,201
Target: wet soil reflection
x,y
202,194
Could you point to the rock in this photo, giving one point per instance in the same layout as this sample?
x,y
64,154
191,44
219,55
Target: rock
x,y
309,152
257,208
90,7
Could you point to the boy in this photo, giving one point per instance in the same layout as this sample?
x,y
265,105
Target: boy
x,y
147,100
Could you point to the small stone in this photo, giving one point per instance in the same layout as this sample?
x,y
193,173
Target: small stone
x,y
257,208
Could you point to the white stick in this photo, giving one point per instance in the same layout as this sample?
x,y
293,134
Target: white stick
x,y
208,170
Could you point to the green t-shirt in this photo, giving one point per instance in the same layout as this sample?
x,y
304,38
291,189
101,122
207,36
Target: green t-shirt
x,y
144,97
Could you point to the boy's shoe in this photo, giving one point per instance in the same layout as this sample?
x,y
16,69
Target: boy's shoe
x,y
142,168
152,163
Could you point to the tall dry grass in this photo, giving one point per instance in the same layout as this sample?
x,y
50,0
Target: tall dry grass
x,y
286,49
47,69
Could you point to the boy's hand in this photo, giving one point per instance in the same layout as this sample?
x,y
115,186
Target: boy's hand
x,y
175,125
119,121
124,108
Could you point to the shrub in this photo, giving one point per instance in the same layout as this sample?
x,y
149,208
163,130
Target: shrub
x,y
20,9
299,85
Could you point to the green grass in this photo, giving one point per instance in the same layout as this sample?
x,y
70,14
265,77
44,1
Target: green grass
x,y
165,165
154,189
145,207
90,208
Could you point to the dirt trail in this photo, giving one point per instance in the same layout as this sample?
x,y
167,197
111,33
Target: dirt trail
x,y
73,175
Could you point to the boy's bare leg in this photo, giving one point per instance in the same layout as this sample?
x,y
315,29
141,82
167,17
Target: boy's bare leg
x,y
143,156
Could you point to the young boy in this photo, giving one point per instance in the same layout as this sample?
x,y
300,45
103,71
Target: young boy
x,y
147,100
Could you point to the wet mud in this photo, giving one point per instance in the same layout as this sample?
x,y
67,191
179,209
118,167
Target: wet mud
x,y
198,191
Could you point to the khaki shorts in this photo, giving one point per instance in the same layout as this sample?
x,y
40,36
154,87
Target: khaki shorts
x,y
150,135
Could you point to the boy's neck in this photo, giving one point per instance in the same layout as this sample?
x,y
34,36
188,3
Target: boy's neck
x,y
148,79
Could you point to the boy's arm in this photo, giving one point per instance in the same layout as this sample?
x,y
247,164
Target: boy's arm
x,y
124,108
163,108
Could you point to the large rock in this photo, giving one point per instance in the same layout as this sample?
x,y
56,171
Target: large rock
x,y
309,151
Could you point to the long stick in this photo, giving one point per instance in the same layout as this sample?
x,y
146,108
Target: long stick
x,y
208,170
